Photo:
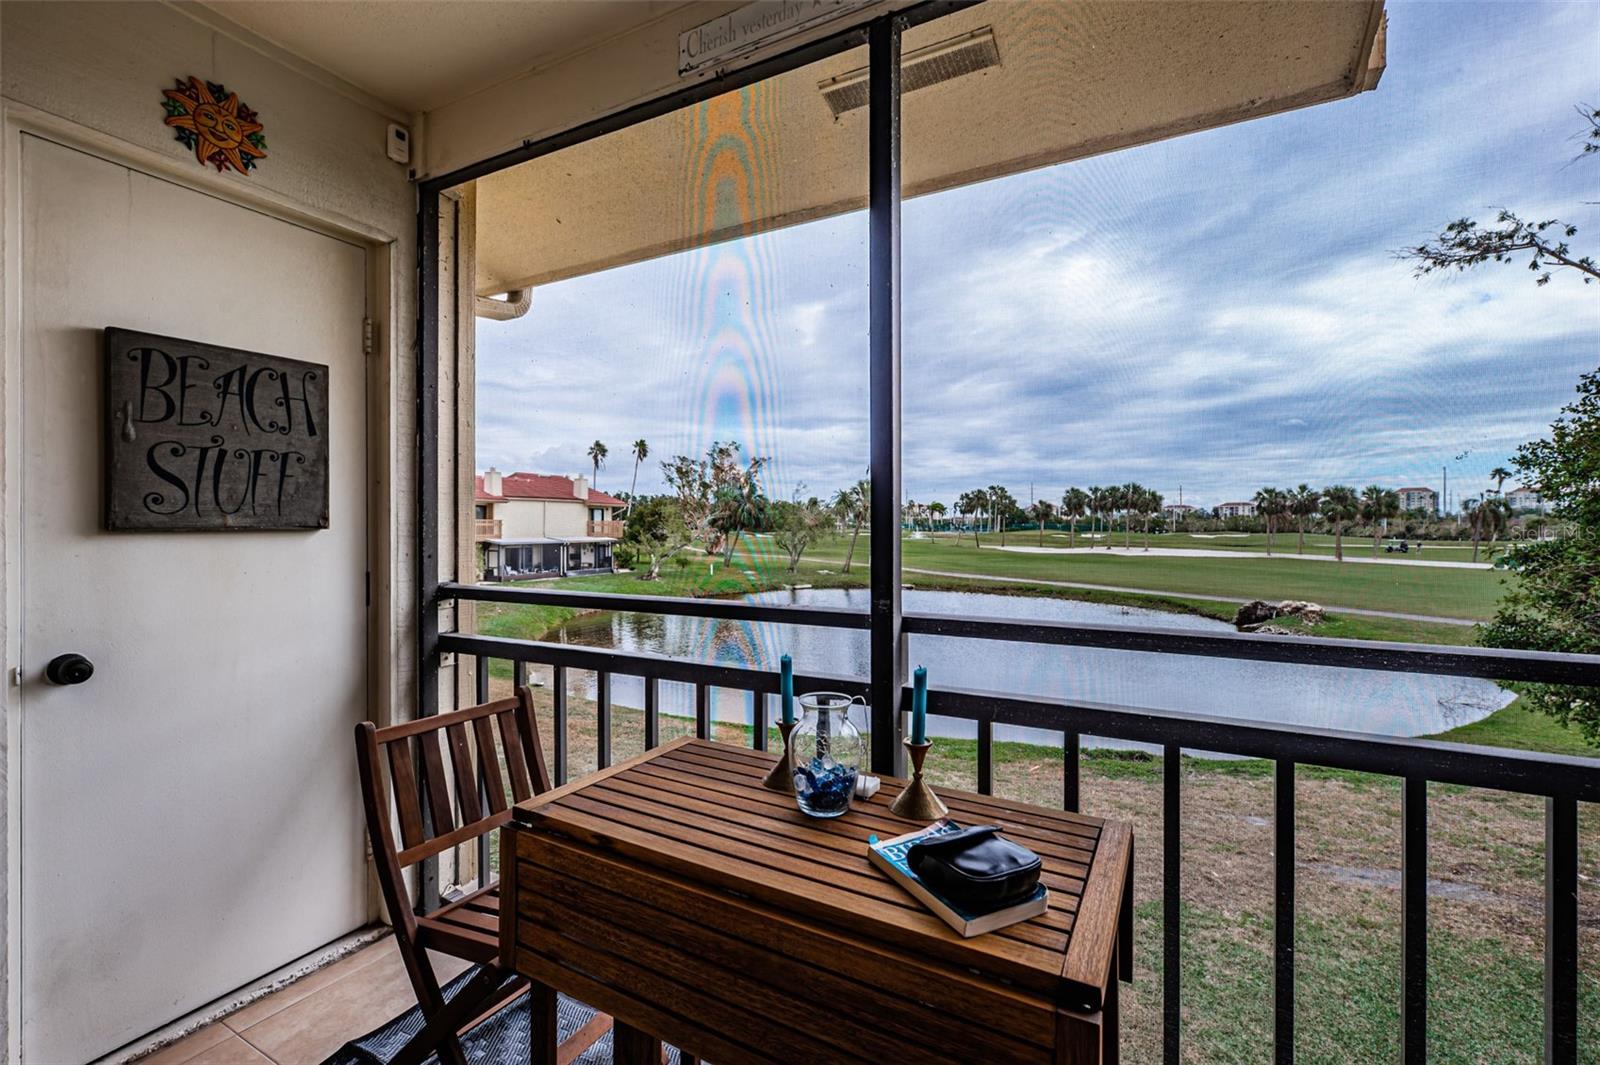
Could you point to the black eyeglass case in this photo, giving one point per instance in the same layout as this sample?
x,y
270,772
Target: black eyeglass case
x,y
975,867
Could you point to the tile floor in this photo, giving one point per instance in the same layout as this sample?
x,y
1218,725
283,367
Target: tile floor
x,y
303,1023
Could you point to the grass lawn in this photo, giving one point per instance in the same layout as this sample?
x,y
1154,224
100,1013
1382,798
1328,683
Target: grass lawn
x,y
754,572
757,571
532,622
1485,906
1283,543
1452,593
1514,725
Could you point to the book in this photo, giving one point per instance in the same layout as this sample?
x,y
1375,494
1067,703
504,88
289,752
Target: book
x,y
890,856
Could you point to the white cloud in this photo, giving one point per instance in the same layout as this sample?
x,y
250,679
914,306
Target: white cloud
x,y
1220,311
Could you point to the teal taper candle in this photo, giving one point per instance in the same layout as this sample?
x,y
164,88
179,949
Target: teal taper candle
x,y
919,705
786,687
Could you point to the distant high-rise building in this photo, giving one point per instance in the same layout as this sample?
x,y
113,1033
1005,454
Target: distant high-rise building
x,y
1524,498
1425,499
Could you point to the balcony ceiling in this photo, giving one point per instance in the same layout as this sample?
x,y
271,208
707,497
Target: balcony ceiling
x,y
424,54
1074,80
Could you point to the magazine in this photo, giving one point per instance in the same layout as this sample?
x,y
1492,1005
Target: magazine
x,y
890,856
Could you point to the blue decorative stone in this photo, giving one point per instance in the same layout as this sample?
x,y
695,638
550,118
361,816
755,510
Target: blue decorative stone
x,y
822,787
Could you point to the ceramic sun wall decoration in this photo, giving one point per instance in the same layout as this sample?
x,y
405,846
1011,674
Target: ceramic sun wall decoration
x,y
214,123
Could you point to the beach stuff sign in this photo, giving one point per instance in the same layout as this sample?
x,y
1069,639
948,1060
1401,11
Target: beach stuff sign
x,y
201,437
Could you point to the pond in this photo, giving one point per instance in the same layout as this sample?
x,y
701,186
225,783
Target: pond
x,y
1396,704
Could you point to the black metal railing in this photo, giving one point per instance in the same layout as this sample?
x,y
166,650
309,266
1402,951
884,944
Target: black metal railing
x,y
1562,781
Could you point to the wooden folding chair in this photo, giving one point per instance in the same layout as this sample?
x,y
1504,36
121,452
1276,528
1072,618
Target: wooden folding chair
x,y
469,927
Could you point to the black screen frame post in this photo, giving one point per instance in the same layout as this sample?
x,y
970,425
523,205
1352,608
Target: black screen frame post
x,y
887,639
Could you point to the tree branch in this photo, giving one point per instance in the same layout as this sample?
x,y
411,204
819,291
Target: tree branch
x,y
1463,244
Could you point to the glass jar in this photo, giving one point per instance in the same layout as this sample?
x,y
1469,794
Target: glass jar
x,y
827,751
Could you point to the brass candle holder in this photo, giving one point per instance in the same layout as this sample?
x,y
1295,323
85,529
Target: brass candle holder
x,y
916,801
782,776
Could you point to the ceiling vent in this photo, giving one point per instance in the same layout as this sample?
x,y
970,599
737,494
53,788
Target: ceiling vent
x,y
966,54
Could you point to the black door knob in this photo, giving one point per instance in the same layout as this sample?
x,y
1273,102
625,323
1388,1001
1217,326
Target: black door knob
x,y
69,669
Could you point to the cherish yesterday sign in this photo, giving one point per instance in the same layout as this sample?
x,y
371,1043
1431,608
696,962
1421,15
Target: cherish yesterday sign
x,y
201,437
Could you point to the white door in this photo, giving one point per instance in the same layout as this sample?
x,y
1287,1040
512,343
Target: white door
x,y
190,815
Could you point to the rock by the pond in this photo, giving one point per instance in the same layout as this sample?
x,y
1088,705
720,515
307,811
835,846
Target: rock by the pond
x,y
1258,611
1310,613
1254,613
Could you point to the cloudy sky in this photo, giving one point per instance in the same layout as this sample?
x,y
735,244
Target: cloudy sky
x,y
1213,313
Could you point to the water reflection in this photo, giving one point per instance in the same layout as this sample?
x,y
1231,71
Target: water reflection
x,y
1399,704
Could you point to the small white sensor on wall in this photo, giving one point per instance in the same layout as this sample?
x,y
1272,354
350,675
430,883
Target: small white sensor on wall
x,y
399,143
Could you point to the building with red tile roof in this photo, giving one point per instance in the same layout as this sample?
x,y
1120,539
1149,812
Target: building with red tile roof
x,y
553,524
541,486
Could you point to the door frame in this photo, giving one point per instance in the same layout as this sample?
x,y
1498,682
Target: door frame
x,y
385,278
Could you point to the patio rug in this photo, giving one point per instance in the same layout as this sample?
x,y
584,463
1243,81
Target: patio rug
x,y
499,1040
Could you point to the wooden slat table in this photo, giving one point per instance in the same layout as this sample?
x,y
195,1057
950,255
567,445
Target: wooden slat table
x,y
677,894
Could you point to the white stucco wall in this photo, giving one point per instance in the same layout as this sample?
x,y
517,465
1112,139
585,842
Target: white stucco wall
x,y
526,518
102,66
92,74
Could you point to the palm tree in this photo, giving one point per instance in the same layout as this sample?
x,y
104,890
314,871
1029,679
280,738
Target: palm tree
x,y
996,511
1271,504
852,505
1263,502
936,509
1377,506
1041,512
1486,517
597,455
1074,505
1128,496
1096,504
1001,503
969,504
641,451
1341,506
1108,510
1500,475
739,507
1303,503
1149,507
974,504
